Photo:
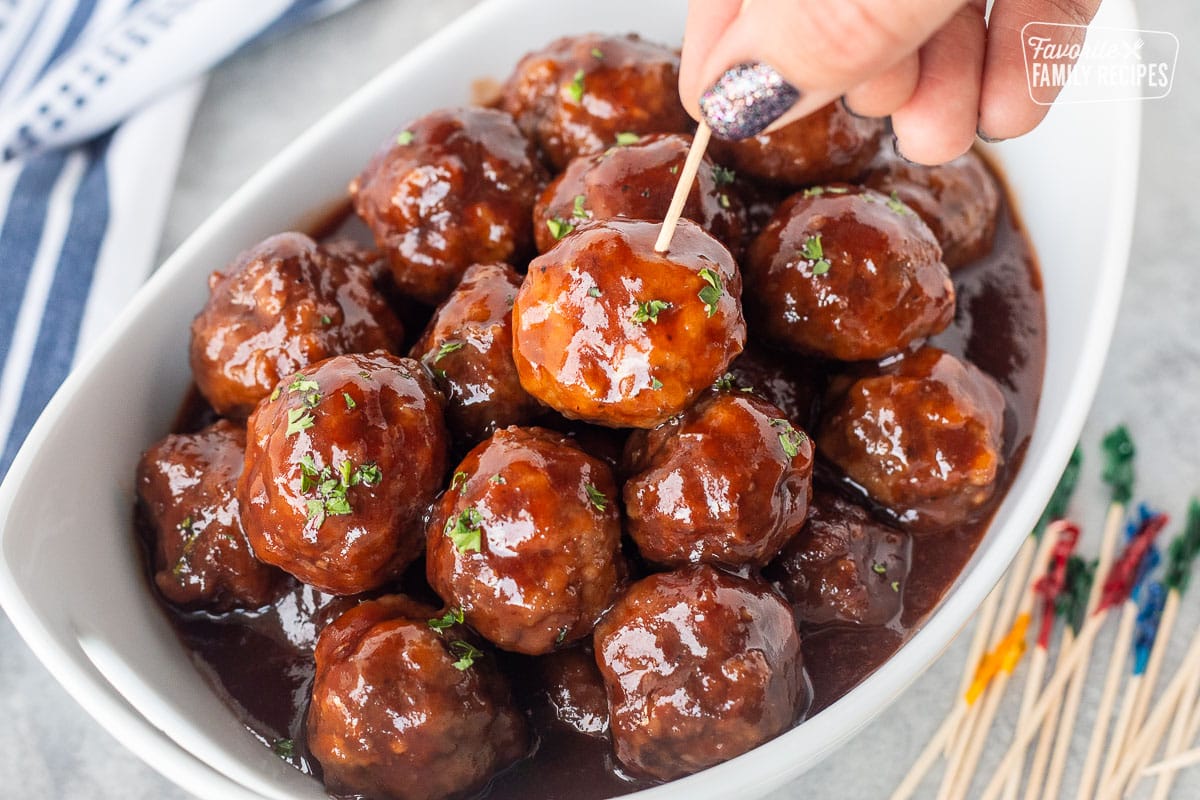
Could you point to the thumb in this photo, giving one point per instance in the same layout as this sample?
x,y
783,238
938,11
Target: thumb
x,y
822,48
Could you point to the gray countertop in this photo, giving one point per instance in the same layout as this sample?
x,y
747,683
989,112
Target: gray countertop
x,y
262,98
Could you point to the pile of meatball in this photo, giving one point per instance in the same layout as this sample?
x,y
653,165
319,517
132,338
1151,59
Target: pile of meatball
x,y
599,455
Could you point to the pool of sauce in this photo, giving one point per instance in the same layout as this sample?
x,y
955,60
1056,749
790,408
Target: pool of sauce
x,y
260,662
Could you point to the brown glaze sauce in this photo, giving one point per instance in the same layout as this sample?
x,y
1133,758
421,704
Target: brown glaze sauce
x,y
260,663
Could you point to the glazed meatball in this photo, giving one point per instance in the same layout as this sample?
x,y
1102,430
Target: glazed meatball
x,y
401,711
283,304
608,331
576,95
454,188
700,666
831,144
791,383
342,462
843,567
923,438
637,181
575,690
959,202
187,489
849,274
526,541
468,347
728,482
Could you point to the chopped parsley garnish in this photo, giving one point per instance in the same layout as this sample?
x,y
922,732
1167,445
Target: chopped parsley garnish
x,y
559,227
711,294
303,384
816,191
879,568
446,349
575,87
326,319
597,53
594,291
404,138
579,212
466,531
724,383
896,586
350,404
331,499
298,419
649,311
275,394
467,654
673,169
814,252
497,479
723,175
190,537
723,200
457,482
790,439
598,499
366,376
655,383
627,138
562,635
284,748
307,387
896,204
452,617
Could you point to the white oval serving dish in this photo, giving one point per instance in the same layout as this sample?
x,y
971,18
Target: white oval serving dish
x,y
70,577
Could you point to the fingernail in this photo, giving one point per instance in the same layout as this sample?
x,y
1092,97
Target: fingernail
x,y
989,139
746,99
900,153
846,107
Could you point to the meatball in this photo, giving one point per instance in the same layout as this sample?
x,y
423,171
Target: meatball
x,y
793,384
575,690
526,541
843,567
187,489
637,180
727,483
959,202
283,304
401,711
923,438
700,666
342,462
847,273
578,93
469,348
454,188
608,331
831,144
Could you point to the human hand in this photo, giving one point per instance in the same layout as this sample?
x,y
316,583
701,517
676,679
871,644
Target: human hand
x,y
936,67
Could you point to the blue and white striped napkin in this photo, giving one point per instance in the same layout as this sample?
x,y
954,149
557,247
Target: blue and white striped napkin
x,y
96,98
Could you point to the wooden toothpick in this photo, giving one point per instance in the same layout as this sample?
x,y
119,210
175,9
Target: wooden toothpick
x,y
687,176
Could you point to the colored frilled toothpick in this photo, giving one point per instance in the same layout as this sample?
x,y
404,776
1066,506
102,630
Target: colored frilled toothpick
x,y
1120,589
988,624
1050,589
1119,452
1181,555
1009,637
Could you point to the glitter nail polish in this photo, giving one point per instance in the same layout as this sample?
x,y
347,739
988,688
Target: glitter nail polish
x,y
746,99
